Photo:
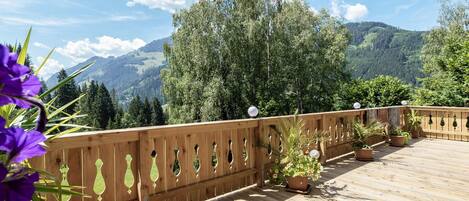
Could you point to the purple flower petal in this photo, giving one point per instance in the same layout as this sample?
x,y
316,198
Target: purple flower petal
x,y
21,145
16,80
20,189
4,55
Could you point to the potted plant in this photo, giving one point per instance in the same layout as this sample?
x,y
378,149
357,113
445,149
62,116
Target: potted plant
x,y
361,133
295,166
399,138
413,123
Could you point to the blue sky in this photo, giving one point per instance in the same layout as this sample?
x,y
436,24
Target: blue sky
x,y
79,29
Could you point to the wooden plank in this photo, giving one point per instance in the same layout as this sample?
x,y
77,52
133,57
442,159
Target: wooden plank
x,y
210,182
75,172
54,159
106,154
90,155
126,157
146,147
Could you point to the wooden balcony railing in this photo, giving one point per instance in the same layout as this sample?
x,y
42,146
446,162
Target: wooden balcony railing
x,y
450,123
202,160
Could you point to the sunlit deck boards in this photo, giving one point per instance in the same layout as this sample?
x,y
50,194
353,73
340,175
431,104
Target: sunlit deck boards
x,y
429,169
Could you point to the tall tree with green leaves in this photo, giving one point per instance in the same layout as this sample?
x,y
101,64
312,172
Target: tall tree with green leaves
x,y
66,93
230,54
378,92
445,57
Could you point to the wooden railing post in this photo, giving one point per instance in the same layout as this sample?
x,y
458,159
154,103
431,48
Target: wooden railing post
x,y
323,143
259,163
144,165
394,116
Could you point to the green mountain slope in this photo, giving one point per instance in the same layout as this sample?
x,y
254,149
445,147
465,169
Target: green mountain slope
x,y
135,73
375,49
380,49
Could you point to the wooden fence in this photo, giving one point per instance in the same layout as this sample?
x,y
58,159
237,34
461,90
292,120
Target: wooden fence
x,y
195,161
450,123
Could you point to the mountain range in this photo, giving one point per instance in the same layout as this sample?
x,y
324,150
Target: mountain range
x,y
375,48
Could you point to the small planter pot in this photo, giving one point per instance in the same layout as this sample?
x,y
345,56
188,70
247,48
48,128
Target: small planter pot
x,y
415,133
398,141
298,183
364,154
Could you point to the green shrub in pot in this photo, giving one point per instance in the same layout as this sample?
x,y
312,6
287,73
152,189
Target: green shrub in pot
x,y
296,159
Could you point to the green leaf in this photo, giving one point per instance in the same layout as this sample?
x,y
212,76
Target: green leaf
x,y
58,111
50,188
44,62
24,50
73,75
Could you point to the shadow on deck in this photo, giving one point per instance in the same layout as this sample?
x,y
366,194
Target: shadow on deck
x,y
428,169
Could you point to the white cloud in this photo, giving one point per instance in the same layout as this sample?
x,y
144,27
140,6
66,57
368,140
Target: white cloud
x,y
167,5
348,11
335,9
314,10
105,46
52,66
355,12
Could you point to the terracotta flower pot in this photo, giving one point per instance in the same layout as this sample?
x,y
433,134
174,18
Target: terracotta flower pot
x,y
298,183
364,154
397,141
415,133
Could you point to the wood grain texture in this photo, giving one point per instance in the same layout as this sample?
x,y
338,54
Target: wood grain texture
x,y
422,171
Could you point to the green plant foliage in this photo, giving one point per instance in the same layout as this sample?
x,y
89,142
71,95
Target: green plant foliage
x,y
292,159
378,92
362,132
57,115
230,54
446,61
400,132
413,121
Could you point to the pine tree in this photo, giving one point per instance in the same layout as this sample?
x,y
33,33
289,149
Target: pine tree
x,y
135,117
104,109
44,88
67,93
157,113
146,113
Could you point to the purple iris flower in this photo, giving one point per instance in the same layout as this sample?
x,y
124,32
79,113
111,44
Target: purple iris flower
x,y
20,144
16,80
16,188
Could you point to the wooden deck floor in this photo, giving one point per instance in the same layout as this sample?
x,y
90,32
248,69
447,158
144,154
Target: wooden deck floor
x,y
429,169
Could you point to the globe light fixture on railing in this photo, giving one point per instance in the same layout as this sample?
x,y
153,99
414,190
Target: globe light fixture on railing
x,y
357,105
314,154
404,102
253,111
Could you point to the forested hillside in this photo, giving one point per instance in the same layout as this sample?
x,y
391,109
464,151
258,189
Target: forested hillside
x,y
135,73
380,49
375,49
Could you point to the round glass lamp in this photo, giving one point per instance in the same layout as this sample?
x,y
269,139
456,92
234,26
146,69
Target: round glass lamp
x,y
253,111
357,105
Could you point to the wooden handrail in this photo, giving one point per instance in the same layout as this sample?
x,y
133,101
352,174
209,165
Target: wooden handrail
x,y
201,160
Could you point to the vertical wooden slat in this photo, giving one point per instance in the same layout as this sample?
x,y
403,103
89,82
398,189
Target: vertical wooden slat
x,y
75,172
121,151
90,155
54,159
162,164
146,147
106,153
